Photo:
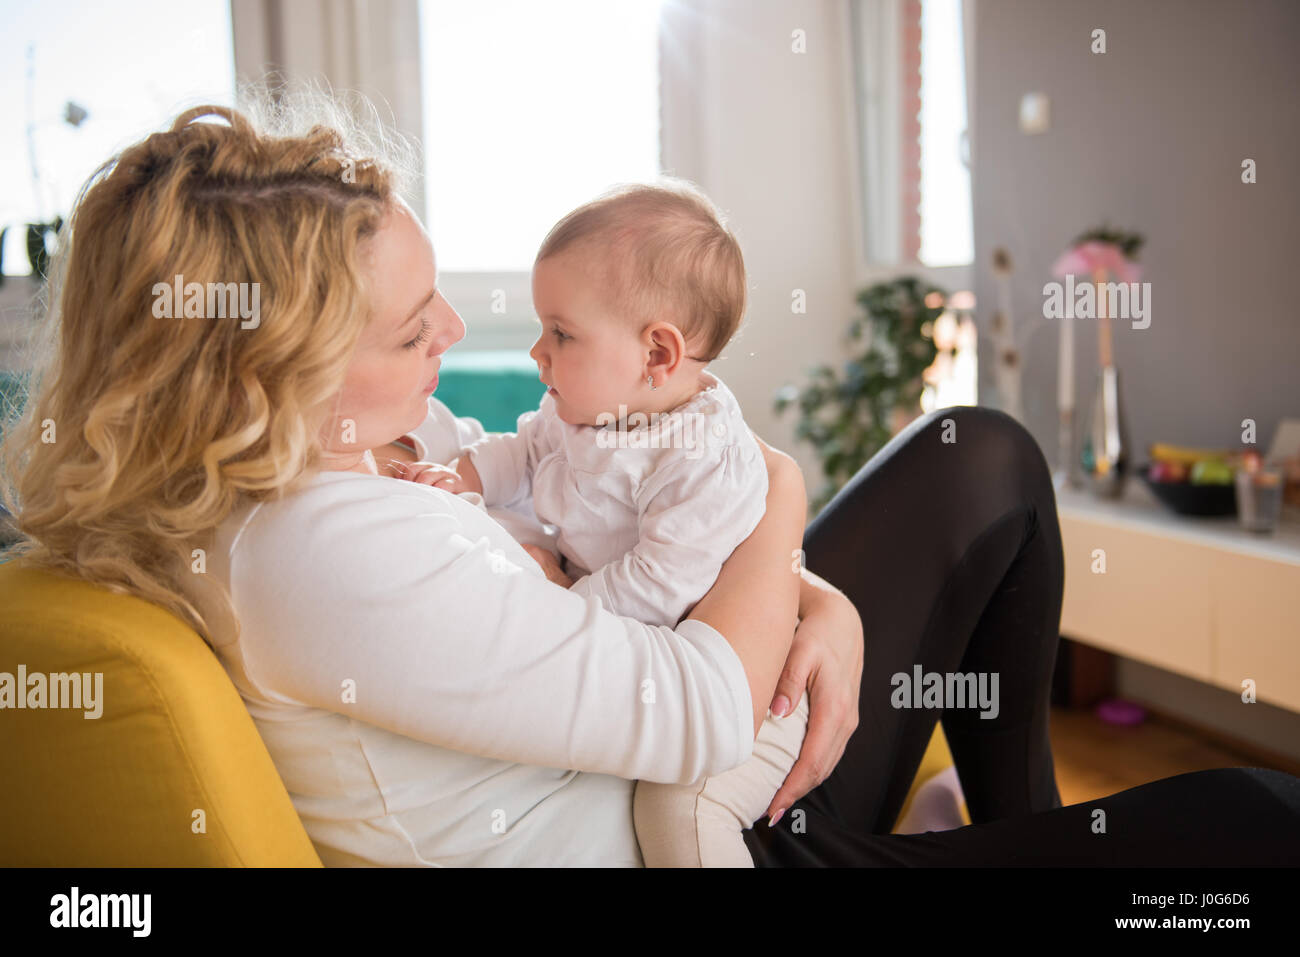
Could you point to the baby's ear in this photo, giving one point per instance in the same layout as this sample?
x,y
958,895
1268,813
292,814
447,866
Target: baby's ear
x,y
667,346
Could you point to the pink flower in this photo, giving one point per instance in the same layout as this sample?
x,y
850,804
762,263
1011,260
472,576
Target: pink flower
x,y
1086,258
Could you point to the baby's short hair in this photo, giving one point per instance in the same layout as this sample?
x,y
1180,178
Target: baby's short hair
x,y
668,253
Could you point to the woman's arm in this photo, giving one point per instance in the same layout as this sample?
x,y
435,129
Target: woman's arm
x,y
411,610
754,602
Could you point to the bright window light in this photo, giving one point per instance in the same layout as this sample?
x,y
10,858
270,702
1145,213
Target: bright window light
x,y
531,109
130,71
947,238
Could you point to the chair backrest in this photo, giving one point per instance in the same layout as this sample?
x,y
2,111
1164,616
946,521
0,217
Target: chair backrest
x,y
172,773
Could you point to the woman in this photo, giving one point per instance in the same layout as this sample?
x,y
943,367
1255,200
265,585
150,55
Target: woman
x,y
427,696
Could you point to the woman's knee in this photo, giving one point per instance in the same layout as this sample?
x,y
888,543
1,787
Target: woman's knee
x,y
973,456
992,440
948,473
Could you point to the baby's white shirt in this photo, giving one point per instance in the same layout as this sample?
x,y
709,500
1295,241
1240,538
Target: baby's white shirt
x,y
646,514
441,437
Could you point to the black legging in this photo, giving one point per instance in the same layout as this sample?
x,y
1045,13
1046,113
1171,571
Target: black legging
x,y
947,542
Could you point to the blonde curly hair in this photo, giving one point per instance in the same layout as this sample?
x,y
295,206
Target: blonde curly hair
x,y
141,434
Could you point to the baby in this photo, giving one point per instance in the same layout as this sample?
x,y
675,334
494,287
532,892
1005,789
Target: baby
x,y
642,460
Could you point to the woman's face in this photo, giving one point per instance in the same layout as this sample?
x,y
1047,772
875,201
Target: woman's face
x,y
395,366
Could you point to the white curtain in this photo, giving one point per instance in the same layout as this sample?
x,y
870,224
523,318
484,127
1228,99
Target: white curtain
x,y
875,31
874,28
370,46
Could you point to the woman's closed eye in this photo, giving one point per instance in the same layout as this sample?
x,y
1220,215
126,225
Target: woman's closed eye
x,y
422,337
560,335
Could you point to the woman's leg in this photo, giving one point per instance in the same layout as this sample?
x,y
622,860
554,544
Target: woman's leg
x,y
948,545
947,542
1229,817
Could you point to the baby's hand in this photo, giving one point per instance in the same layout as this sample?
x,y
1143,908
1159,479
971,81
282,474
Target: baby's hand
x,y
430,473
550,564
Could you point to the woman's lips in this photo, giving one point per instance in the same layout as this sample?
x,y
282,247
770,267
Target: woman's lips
x,y
433,383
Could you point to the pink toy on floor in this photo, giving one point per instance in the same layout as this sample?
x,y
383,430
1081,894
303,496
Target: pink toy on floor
x,y
1121,712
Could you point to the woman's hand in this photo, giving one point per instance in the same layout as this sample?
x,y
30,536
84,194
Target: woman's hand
x,y
550,563
826,659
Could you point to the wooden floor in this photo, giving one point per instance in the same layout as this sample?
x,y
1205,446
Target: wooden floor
x,y
1094,758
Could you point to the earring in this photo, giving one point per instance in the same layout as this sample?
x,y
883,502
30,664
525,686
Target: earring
x,y
651,380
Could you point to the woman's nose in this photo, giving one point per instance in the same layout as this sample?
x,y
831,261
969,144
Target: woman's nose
x,y
453,330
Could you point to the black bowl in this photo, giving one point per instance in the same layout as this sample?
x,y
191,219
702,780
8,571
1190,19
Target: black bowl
x,y
1188,499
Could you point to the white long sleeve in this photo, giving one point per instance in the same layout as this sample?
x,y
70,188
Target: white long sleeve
x,y
421,686
453,636
442,437
506,461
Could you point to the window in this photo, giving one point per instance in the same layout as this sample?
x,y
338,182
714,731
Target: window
x,y
946,238
81,80
530,109
910,72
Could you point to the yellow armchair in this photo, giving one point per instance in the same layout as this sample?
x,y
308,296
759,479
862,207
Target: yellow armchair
x,y
172,773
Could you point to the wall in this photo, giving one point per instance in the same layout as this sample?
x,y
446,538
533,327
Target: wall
x,y
1150,136
767,133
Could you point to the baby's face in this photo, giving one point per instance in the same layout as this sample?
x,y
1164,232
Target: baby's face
x,y
591,357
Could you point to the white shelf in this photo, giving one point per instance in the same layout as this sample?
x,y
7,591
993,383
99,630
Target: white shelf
x,y
1201,597
1139,510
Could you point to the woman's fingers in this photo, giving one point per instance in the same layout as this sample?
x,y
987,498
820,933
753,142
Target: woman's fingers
x,y
789,689
832,705
821,751
794,679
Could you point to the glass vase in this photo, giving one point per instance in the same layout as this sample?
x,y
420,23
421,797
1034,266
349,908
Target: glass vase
x,y
1106,455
